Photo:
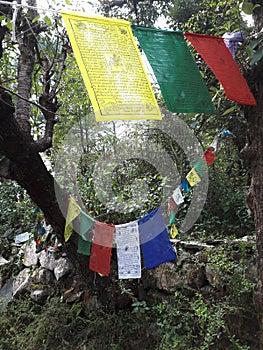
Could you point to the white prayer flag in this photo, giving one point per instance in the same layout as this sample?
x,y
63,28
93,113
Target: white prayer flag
x,y
128,250
177,196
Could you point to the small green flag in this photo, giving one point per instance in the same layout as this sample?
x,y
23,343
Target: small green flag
x,y
84,246
181,84
86,223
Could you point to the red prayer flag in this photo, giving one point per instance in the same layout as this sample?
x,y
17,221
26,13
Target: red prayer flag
x,y
101,248
209,156
218,57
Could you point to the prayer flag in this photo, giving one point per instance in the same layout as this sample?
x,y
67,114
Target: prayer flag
x,y
73,212
180,81
173,231
215,53
193,178
172,217
209,156
101,248
84,246
199,166
177,196
214,144
128,250
111,67
155,243
232,41
185,185
86,223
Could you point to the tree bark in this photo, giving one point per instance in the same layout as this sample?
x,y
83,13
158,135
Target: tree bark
x,y
253,154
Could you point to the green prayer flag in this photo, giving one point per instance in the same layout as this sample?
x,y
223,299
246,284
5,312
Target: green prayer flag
x,y
172,217
199,167
180,81
84,247
86,223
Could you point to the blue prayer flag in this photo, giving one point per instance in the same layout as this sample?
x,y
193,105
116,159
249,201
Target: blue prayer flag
x,y
155,243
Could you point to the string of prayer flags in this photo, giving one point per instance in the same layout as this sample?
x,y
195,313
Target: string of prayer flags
x,y
100,255
209,156
154,238
177,196
215,53
72,213
128,250
173,231
180,81
192,177
111,67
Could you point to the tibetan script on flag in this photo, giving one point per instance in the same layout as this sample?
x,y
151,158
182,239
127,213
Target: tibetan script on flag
x,y
112,68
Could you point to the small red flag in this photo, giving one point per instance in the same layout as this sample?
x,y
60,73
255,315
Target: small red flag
x,y
209,156
101,248
218,57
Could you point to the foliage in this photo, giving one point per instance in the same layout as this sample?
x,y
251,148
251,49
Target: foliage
x,y
15,206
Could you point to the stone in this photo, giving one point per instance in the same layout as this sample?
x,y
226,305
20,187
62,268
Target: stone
x,y
22,282
47,261
41,295
6,293
3,261
43,276
62,267
30,256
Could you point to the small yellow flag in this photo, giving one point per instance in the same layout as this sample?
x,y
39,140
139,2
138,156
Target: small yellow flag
x,y
73,212
192,177
173,231
111,67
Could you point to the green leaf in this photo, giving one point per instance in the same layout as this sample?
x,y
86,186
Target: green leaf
x,y
36,19
247,7
9,24
68,2
229,110
257,56
48,21
256,42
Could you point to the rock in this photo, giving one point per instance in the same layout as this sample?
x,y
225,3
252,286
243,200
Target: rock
x,y
9,234
43,276
3,261
30,256
6,294
22,282
167,277
41,295
62,267
47,260
211,275
72,297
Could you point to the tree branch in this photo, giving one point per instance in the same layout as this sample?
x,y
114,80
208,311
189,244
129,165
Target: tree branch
x,y
26,64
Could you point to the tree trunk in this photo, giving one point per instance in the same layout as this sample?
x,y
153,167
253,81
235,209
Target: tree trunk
x,y
253,154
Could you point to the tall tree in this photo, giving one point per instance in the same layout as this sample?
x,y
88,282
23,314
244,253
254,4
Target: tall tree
x,y
253,152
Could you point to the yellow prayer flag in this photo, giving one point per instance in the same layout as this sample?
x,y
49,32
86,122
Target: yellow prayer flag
x,y
192,177
111,67
173,231
73,212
